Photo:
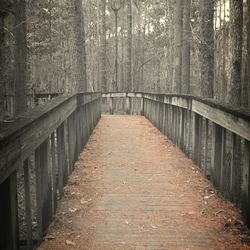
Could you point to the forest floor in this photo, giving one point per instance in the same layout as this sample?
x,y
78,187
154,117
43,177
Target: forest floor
x,y
133,189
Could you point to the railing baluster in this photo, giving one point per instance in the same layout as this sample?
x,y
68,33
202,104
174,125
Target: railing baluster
x,y
28,216
235,182
245,188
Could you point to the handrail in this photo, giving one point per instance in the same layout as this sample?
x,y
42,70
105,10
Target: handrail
x,y
47,139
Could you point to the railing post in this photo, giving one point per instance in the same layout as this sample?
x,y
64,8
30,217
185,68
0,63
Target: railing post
x,y
216,154
60,157
54,169
46,188
245,188
38,193
9,220
197,138
235,180
28,217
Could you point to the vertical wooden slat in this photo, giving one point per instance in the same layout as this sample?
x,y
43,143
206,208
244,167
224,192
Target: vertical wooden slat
x,y
65,146
9,219
206,147
216,154
38,193
54,170
60,157
196,134
245,188
235,180
46,184
223,173
28,217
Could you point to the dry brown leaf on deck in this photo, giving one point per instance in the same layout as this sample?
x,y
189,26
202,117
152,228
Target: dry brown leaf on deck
x,y
70,243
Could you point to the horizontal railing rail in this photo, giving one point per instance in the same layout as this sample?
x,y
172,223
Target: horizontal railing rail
x,y
214,135
37,153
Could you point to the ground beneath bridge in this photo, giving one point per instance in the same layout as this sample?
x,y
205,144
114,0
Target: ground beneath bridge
x,y
133,189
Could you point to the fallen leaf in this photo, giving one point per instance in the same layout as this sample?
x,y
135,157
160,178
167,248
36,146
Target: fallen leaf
x,y
83,201
70,243
50,237
73,210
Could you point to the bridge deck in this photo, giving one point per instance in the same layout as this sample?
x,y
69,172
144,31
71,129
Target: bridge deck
x,y
133,189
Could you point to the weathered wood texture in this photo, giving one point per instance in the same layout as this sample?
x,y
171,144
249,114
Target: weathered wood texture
x,y
55,132
122,103
215,135
206,130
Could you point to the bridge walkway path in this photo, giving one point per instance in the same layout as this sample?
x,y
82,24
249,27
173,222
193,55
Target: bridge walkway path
x,y
133,189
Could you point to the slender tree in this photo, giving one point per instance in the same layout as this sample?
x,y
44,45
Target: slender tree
x,y
246,82
116,6
206,49
178,21
103,46
129,46
81,59
20,57
185,74
236,34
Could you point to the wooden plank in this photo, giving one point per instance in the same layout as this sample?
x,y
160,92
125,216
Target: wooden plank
x,y
245,188
224,170
24,141
9,219
46,184
236,173
206,134
60,157
28,218
38,193
237,125
216,154
54,170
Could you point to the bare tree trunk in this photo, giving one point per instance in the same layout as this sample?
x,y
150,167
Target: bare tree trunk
x,y
185,74
178,21
129,46
236,31
206,51
81,59
98,87
246,82
20,57
103,47
224,80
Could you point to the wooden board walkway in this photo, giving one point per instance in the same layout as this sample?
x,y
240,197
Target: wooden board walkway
x,y
133,189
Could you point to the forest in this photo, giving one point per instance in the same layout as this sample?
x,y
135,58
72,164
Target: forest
x,y
196,47
179,73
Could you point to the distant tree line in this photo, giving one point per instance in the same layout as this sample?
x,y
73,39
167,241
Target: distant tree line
x,y
195,47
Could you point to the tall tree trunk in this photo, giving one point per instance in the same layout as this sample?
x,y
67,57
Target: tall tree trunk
x,y
129,46
185,74
20,57
236,34
178,21
103,47
246,82
116,51
81,59
98,87
206,51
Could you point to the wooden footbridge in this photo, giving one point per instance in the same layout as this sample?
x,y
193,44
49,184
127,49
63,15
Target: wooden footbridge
x,y
38,152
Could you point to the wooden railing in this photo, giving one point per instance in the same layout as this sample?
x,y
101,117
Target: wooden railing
x,y
122,103
37,153
214,135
